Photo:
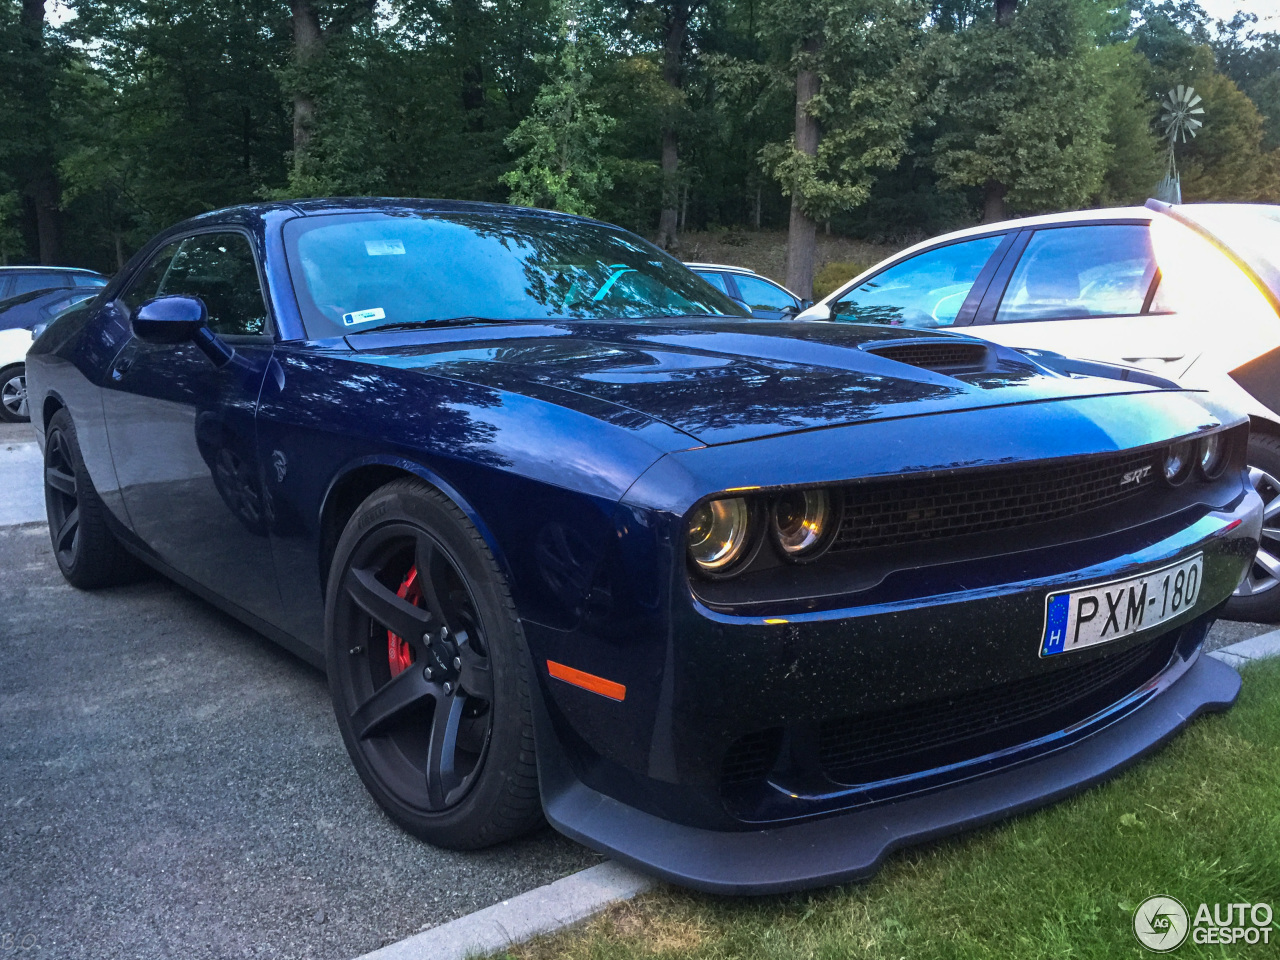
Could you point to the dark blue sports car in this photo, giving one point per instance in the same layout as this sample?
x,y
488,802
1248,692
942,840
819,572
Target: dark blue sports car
x,y
747,604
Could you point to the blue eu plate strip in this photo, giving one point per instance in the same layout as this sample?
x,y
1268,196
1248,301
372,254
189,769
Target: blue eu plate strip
x,y
1055,626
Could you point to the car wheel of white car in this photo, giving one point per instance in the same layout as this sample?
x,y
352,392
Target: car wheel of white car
x,y
13,394
1257,598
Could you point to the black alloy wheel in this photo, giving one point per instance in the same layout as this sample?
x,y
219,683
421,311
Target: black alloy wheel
x,y
87,552
427,671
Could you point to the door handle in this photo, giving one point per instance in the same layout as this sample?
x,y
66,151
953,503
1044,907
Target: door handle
x,y
121,368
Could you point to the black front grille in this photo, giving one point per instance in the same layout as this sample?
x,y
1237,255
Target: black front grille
x,y
939,355
884,513
751,757
922,736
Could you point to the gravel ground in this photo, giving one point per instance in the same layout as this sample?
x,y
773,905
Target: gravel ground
x,y
173,785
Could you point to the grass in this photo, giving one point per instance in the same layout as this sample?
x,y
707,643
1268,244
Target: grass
x,y
1199,821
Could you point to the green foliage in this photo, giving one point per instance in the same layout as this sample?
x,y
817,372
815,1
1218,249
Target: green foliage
x,y
860,50
560,164
10,236
138,113
1024,106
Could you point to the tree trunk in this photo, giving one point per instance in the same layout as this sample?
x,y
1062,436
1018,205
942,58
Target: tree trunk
x,y
993,202
41,186
308,41
802,235
1005,9
677,26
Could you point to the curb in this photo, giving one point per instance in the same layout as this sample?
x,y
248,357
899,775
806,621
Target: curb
x,y
1260,647
580,895
544,910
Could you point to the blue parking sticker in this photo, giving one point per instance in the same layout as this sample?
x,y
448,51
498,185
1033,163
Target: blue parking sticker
x,y
1055,624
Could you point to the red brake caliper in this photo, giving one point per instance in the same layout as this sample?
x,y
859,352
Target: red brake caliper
x,y
399,653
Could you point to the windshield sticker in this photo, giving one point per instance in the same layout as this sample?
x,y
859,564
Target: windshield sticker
x,y
384,248
363,316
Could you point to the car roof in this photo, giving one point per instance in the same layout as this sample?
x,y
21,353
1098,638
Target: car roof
x,y
696,265
320,206
37,268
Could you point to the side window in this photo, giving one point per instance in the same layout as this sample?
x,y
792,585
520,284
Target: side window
x,y
1104,270
715,279
219,269
924,291
147,283
27,282
762,295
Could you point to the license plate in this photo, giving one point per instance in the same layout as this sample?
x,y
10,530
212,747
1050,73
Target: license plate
x,y
1111,611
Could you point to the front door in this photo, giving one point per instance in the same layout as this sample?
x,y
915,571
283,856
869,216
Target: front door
x,y
182,431
1092,291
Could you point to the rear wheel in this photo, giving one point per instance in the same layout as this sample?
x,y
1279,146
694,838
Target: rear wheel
x,y
13,394
427,670
87,552
1257,598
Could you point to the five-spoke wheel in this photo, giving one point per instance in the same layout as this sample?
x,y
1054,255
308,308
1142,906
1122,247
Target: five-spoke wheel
x,y
426,669
1256,598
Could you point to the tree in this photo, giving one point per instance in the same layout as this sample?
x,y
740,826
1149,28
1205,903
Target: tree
x,y
30,61
847,62
559,164
1020,108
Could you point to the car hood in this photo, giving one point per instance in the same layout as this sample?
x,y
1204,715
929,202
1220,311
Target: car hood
x,y
725,381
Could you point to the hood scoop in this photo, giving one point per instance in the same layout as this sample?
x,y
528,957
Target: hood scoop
x,y
939,355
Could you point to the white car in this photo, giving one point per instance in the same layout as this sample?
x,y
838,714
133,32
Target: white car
x,y
14,345
1190,293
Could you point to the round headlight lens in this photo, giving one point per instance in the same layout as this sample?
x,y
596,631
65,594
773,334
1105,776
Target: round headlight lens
x,y
1213,455
1178,461
718,533
801,520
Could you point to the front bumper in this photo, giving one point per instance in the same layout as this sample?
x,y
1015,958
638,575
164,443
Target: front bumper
x,y
851,846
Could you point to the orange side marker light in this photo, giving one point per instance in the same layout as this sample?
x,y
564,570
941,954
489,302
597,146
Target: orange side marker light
x,y
587,681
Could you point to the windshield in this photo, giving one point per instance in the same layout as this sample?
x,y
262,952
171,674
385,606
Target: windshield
x,y
362,272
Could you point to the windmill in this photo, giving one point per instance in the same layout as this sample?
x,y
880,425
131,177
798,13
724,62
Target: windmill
x,y
1179,122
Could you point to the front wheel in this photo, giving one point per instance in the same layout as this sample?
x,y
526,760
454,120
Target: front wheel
x,y
1257,599
428,671
13,394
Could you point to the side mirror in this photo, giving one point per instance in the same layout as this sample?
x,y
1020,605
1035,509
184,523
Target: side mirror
x,y
806,304
169,319
178,319
744,305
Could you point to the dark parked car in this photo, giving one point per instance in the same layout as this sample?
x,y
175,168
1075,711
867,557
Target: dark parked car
x,y
29,310
745,603
767,300
16,280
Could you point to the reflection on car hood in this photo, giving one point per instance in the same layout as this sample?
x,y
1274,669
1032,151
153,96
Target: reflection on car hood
x,y
723,381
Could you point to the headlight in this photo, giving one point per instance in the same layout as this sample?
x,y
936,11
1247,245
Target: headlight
x,y
718,533
1213,455
1178,461
801,522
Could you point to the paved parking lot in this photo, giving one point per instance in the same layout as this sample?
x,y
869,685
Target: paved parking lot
x,y
173,785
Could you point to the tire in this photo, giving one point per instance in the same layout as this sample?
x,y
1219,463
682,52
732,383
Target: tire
x,y
437,722
13,394
86,551
1257,599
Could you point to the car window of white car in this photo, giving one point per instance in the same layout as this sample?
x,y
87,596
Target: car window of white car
x,y
762,295
926,290
1102,270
